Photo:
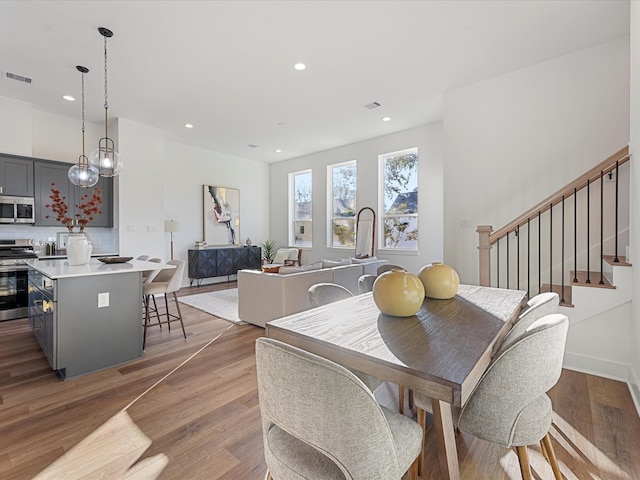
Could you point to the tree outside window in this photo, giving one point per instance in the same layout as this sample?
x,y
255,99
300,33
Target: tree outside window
x,y
300,196
399,174
342,204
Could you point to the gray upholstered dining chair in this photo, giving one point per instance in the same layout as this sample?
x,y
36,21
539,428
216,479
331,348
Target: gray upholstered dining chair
x,y
320,421
166,282
365,283
538,307
388,266
510,406
325,293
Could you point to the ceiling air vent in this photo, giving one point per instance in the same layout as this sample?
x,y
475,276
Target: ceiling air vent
x,y
17,77
252,145
373,105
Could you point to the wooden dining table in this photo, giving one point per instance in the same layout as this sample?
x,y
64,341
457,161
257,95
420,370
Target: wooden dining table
x,y
442,351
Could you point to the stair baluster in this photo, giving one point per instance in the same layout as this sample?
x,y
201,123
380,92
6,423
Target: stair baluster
x,y
518,256
507,239
575,235
616,259
588,227
551,247
601,282
562,299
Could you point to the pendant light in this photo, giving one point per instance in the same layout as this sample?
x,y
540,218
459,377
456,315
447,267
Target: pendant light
x,y
82,174
105,158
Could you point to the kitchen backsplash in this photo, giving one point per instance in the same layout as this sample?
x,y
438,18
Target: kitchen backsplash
x,y
104,240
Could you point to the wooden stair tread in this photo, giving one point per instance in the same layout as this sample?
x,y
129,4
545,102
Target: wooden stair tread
x,y
581,276
558,289
621,263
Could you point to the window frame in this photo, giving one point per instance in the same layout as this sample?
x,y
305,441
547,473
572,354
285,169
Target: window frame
x,y
382,158
330,216
292,219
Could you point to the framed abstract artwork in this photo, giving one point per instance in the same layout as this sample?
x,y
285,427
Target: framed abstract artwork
x,y
221,215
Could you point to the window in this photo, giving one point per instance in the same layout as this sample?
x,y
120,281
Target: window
x,y
399,185
300,196
342,204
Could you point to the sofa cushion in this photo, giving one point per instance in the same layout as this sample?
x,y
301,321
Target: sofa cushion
x,y
335,263
303,268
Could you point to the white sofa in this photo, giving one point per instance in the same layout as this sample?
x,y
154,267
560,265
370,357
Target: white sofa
x,y
266,296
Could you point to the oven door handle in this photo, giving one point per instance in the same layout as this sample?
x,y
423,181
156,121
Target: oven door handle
x,y
13,268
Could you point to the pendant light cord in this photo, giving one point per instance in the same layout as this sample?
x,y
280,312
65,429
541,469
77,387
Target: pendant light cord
x,y
106,98
84,161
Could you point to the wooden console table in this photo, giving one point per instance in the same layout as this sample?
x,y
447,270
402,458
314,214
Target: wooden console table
x,y
221,261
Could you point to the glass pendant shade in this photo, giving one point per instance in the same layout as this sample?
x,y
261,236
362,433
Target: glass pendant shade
x,y
82,174
105,159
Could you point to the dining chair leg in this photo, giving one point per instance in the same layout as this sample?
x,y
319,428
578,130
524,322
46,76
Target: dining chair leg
x,y
400,399
422,421
175,299
268,476
166,306
543,450
411,403
523,457
552,456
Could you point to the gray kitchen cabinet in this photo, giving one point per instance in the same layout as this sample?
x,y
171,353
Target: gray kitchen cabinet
x,y
16,175
48,173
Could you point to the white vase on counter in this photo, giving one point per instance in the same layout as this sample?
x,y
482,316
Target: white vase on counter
x,y
78,249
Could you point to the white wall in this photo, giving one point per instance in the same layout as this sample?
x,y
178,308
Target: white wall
x,y
428,140
188,168
15,127
634,147
511,141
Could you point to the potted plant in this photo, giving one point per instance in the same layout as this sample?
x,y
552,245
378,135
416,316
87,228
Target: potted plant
x,y
268,250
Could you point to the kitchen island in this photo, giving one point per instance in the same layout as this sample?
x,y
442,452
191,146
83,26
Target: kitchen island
x,y
87,317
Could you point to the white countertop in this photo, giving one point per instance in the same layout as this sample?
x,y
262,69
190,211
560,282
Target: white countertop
x,y
60,268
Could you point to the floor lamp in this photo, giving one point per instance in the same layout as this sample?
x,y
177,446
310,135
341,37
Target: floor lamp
x,y
171,226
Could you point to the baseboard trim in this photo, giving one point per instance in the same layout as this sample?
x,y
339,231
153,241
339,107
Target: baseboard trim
x,y
634,388
597,366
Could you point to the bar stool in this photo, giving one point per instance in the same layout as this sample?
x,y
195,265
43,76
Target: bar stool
x,y
165,282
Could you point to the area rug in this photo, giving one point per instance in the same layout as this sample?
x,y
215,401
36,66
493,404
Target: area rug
x,y
221,303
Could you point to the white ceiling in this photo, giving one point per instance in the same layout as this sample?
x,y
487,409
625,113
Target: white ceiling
x,y
227,66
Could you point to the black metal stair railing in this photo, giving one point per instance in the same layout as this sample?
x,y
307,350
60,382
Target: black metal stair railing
x,y
586,209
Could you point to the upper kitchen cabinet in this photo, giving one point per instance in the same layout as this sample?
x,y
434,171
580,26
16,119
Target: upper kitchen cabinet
x,y
16,176
49,173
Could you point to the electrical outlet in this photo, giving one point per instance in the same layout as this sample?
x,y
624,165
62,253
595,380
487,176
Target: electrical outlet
x,y
103,300
131,228
152,228
464,223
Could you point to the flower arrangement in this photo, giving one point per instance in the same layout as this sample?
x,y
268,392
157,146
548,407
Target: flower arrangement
x,y
86,209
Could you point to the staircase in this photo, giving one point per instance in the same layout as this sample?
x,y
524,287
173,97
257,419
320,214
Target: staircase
x,y
574,243
573,238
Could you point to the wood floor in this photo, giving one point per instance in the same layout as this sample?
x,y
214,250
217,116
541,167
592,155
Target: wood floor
x,y
189,410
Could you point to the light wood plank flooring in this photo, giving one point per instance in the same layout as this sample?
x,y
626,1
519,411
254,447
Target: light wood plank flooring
x,y
189,410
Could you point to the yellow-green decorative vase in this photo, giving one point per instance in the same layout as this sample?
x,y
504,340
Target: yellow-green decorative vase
x,y
398,293
440,281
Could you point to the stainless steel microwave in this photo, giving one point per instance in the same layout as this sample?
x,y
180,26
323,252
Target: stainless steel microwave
x,y
16,209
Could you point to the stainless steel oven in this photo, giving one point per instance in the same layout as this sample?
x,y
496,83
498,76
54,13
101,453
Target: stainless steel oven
x,y
17,209
14,278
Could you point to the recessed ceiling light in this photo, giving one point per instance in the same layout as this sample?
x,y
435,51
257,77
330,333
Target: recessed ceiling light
x,y
278,150
69,98
386,119
188,125
299,66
